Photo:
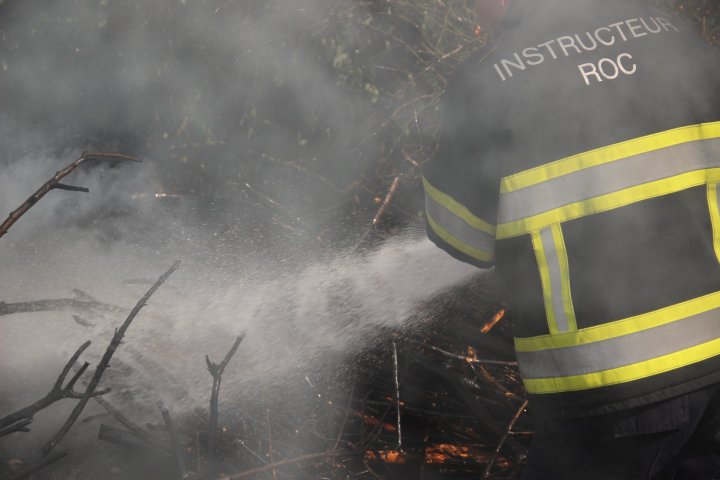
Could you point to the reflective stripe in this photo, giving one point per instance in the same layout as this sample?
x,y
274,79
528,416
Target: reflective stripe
x,y
608,178
454,223
622,327
618,151
624,350
621,351
629,373
713,194
456,208
482,255
552,261
608,202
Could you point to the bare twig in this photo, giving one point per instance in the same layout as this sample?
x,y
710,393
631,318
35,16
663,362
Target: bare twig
x,y
105,362
216,371
272,466
397,395
462,357
494,383
174,443
510,426
18,421
388,198
54,183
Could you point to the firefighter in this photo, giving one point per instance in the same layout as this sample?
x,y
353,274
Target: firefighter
x,y
579,156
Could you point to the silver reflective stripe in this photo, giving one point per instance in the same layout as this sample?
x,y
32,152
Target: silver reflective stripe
x,y
608,178
553,264
621,351
459,228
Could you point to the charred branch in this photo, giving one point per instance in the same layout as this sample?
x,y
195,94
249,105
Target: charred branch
x,y
105,362
488,467
54,183
129,424
216,371
18,421
81,301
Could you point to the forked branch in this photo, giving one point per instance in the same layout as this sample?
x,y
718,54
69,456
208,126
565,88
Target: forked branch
x,y
54,183
19,421
105,362
216,371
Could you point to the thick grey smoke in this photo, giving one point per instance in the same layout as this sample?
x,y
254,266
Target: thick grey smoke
x,y
213,96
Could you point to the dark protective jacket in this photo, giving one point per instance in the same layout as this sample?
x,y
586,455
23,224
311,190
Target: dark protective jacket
x,y
580,155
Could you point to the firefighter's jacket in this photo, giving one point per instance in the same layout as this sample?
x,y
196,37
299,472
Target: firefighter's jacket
x,y
580,156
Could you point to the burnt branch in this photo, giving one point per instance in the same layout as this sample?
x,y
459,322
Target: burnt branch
x,y
54,183
127,423
216,371
105,362
81,301
18,421
510,426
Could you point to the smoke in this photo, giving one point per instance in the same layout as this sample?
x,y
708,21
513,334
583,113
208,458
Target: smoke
x,y
251,122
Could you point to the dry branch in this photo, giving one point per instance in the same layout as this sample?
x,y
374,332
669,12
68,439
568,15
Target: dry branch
x,y
18,421
386,202
54,183
81,301
510,426
105,362
216,371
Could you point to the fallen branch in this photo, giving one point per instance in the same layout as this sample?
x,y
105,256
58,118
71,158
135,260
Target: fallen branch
x,y
462,357
54,183
18,421
127,423
510,426
81,301
105,362
216,371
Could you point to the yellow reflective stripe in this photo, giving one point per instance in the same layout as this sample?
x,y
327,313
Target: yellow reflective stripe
x,y
564,277
551,257
458,209
627,373
611,153
608,202
619,328
545,281
712,195
475,253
